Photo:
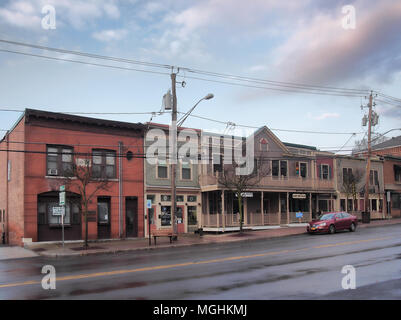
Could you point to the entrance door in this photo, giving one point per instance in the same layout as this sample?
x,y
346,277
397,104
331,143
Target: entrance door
x,y
131,217
103,221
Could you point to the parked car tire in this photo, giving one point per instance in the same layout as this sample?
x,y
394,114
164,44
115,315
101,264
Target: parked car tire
x,y
352,228
332,229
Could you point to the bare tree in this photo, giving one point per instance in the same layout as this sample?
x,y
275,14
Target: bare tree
x,y
350,184
238,184
81,178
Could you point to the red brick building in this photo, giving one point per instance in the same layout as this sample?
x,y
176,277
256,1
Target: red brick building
x,y
390,150
35,157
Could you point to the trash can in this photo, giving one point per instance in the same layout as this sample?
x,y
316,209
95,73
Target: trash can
x,y
366,217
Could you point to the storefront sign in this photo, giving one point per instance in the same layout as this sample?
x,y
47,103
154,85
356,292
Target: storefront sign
x,y
299,196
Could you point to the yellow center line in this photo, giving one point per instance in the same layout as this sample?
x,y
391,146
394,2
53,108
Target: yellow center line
x,y
191,263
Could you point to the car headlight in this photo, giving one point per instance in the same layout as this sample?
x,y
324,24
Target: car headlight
x,y
322,224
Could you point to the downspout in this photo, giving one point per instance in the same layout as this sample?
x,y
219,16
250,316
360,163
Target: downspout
x,y
120,187
7,177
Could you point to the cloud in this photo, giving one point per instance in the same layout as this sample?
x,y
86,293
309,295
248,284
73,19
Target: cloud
x,y
321,51
110,35
27,14
324,116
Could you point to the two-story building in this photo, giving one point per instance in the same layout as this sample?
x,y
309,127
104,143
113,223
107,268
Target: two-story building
x,y
295,179
38,156
351,181
158,178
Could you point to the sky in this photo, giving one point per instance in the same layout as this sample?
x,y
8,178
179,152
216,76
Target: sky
x,y
301,41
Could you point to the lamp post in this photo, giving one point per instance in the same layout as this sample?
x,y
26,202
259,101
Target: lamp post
x,y
173,141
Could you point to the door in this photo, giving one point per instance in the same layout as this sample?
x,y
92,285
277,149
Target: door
x,y
103,220
131,217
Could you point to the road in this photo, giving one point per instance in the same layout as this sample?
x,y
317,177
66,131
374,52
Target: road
x,y
294,267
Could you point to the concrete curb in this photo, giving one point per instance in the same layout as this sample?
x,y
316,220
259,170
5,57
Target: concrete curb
x,y
183,245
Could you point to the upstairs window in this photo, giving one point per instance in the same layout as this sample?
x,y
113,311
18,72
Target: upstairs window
x,y
185,171
59,161
162,169
325,172
104,164
397,173
374,178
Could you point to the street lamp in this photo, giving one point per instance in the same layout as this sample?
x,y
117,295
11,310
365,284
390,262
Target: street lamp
x,y
185,116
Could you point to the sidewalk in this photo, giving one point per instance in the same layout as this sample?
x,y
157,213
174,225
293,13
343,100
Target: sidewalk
x,y
55,249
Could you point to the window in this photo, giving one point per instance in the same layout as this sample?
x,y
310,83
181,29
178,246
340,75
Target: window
x,y
103,209
49,212
165,197
374,178
165,216
283,168
59,161
162,169
396,201
275,168
179,198
347,175
217,163
324,172
301,169
279,168
104,164
192,219
191,198
397,173
374,205
151,197
342,205
349,205
185,171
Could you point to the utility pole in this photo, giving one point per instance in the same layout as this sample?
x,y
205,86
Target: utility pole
x,y
367,204
173,154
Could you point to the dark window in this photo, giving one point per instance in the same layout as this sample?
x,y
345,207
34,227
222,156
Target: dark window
x,y
347,175
342,205
191,198
179,198
192,219
59,161
283,168
217,163
374,205
165,197
325,172
104,164
349,205
396,201
275,168
186,171
397,173
162,170
303,170
165,216
151,197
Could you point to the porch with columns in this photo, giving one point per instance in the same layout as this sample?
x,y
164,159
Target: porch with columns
x,y
263,210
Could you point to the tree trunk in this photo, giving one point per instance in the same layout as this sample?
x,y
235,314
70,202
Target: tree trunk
x,y
86,225
241,212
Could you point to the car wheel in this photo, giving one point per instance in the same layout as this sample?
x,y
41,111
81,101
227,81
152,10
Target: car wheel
x,y
352,227
332,229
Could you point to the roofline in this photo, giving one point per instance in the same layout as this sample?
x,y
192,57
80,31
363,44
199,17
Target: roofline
x,y
33,113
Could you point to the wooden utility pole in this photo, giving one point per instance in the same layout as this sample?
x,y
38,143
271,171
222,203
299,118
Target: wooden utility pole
x,y
367,204
173,154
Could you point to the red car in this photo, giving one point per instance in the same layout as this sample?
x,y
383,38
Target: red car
x,y
332,222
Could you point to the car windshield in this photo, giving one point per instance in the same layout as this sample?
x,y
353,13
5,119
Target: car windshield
x,y
327,216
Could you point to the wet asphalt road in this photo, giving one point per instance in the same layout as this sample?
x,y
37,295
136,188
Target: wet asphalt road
x,y
295,267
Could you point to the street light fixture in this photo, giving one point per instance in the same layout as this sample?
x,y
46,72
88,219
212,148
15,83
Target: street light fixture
x,y
185,116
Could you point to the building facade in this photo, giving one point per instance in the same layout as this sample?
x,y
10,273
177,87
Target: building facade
x,y
40,154
351,181
294,179
158,179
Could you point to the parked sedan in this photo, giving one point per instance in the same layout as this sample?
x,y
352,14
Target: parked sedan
x,y
332,222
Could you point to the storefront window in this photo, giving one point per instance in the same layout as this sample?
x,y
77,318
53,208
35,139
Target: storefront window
x,y
165,216
192,215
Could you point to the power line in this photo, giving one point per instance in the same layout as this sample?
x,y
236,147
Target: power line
x,y
289,86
